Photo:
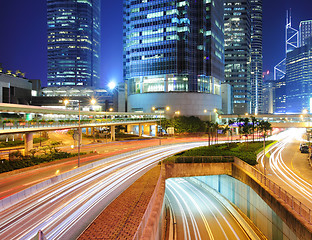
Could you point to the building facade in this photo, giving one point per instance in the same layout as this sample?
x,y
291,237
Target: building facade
x,y
298,79
15,89
256,57
237,37
73,42
173,49
54,97
305,32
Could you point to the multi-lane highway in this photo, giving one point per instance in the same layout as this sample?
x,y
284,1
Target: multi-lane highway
x,y
63,210
198,214
288,167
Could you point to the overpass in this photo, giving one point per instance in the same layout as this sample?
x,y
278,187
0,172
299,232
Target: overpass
x,y
25,119
276,120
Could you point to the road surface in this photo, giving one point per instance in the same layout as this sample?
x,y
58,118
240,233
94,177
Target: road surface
x,y
200,215
288,167
65,209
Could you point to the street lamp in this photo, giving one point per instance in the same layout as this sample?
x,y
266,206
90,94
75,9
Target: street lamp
x,y
160,112
79,133
93,101
66,102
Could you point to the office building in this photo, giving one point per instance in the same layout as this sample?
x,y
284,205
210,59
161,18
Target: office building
x,y
291,43
73,42
268,91
15,88
54,97
280,96
174,55
237,38
305,32
298,79
256,57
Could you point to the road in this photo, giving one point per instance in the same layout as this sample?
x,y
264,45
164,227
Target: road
x,y
200,215
63,210
288,167
11,182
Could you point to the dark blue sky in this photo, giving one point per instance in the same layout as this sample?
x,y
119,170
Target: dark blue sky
x,y
23,35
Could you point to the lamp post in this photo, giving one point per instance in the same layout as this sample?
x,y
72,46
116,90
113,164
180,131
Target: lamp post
x,y
160,112
79,133
93,101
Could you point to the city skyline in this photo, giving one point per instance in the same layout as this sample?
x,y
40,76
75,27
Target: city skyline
x,y
23,43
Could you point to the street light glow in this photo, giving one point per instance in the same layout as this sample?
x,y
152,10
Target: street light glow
x,y
112,85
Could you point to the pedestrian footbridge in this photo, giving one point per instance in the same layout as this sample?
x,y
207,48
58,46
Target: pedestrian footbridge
x,y
25,119
276,120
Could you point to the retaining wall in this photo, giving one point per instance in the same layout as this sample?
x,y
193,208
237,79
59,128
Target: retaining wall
x,y
301,227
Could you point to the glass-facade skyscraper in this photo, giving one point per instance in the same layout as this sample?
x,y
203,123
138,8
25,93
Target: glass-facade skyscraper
x,y
298,79
237,38
73,42
173,46
256,57
305,32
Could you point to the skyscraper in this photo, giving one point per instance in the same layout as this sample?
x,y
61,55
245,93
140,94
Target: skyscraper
x,y
237,37
73,42
298,79
256,56
305,32
174,55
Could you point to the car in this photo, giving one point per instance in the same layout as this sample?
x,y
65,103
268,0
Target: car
x,y
304,148
302,145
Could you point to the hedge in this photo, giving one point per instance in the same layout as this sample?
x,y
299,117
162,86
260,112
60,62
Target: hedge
x,y
245,151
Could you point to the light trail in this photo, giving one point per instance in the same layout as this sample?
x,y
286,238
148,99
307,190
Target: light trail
x,y
279,168
209,218
58,210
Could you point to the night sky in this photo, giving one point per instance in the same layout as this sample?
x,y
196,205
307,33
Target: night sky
x,y
23,35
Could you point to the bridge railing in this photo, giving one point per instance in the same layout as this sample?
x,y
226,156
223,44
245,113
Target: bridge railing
x,y
295,204
70,123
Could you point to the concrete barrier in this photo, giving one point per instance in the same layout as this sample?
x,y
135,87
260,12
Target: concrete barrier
x,y
243,172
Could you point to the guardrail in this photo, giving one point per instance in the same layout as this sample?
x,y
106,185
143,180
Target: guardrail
x,y
201,159
296,205
29,124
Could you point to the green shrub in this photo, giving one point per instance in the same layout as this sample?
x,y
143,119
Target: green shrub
x,y
221,152
19,161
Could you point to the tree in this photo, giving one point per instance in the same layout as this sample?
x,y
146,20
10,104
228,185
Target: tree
x,y
254,124
209,125
231,123
240,126
183,124
264,126
246,128
225,130
216,128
